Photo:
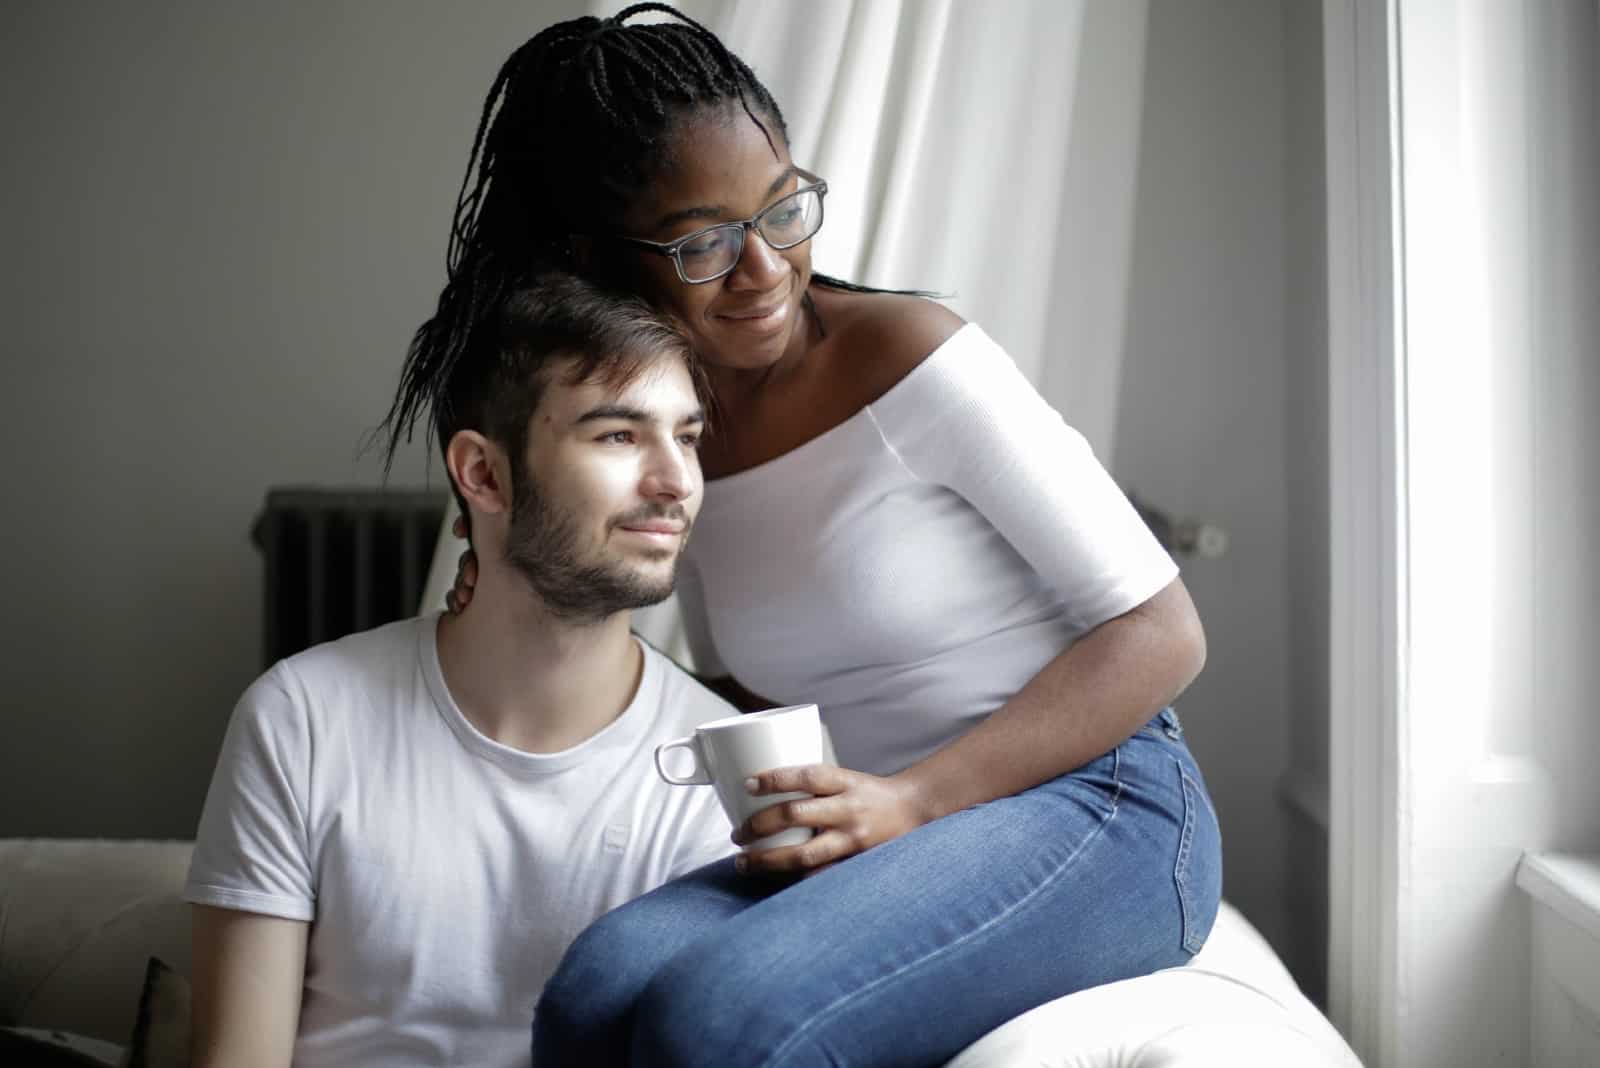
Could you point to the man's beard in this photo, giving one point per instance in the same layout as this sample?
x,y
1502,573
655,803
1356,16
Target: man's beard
x,y
543,544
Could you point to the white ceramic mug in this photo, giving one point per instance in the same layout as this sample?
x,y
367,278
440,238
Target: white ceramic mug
x,y
728,751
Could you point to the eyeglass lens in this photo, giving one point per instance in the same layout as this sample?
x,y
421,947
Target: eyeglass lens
x,y
784,224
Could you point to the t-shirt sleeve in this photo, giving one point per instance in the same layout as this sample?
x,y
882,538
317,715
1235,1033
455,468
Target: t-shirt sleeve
x,y
252,849
696,624
968,419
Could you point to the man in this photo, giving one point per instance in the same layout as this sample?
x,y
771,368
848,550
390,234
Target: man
x,y
408,826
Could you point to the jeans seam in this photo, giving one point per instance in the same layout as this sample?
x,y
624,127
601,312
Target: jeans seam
x,y
1116,797
1180,872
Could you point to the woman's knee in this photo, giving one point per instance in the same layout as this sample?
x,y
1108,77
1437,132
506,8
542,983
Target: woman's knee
x,y
715,1003
600,974
584,1010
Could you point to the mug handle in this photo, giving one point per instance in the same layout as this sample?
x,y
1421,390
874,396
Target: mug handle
x,y
699,777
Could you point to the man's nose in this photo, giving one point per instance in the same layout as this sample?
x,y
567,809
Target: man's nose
x,y
671,473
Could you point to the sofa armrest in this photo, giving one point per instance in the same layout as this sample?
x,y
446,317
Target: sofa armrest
x,y
79,920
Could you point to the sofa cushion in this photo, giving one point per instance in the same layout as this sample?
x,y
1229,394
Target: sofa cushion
x,y
79,921
1235,1003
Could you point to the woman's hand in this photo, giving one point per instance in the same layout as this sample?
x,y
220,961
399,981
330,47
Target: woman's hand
x,y
850,810
460,594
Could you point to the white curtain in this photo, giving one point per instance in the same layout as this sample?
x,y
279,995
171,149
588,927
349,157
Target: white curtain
x,y
987,151
983,150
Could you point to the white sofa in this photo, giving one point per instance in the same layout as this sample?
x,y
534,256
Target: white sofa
x,y
79,920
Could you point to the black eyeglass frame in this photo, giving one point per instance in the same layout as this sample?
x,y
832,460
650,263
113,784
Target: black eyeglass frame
x,y
671,248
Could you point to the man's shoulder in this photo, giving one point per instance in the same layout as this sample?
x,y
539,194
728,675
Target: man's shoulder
x,y
358,655
367,662
685,702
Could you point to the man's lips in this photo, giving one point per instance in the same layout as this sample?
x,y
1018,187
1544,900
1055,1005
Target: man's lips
x,y
654,527
662,524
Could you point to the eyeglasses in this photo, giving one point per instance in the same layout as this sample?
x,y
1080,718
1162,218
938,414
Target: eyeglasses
x,y
706,255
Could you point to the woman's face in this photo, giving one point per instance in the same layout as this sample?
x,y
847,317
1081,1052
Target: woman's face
x,y
723,170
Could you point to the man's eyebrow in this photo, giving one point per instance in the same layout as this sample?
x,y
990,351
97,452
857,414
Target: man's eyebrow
x,y
629,414
715,212
614,411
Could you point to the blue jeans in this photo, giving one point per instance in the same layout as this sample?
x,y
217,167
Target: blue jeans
x,y
909,952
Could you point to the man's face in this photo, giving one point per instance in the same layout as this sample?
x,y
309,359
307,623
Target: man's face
x,y
607,490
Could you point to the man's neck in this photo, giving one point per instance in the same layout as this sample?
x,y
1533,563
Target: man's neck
x,y
529,680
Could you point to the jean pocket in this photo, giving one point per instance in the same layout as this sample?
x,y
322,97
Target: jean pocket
x,y
1198,871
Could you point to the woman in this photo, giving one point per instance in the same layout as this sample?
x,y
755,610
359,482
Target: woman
x,y
897,527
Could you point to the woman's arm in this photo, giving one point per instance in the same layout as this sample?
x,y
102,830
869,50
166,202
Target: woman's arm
x,y
249,971
972,424
1086,701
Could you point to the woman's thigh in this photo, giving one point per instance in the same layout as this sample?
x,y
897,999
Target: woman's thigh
x,y
909,952
585,1012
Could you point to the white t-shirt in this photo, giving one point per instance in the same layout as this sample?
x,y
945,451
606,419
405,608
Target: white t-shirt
x,y
915,566
443,874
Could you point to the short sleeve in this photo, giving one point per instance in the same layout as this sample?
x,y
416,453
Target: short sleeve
x,y
252,848
696,624
968,419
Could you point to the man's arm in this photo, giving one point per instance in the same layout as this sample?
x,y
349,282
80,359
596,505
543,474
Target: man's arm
x,y
249,971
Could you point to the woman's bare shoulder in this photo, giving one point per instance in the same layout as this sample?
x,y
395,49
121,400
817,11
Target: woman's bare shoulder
x,y
883,336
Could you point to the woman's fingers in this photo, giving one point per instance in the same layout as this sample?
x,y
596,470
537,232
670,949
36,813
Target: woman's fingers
x,y
460,594
851,811
824,850
459,527
816,779
814,812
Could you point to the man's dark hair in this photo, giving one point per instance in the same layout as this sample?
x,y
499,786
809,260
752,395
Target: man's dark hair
x,y
579,118
558,322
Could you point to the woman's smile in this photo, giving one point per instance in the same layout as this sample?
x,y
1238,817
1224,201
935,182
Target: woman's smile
x,y
766,318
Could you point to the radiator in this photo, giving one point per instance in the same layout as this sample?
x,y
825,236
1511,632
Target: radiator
x,y
341,560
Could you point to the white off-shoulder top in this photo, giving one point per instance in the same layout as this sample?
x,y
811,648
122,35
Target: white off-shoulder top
x,y
912,568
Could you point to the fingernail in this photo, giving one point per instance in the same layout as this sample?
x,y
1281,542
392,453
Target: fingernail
x,y
740,864
750,785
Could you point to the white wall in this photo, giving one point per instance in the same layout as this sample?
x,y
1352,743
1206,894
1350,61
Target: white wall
x,y
1201,429
1501,283
1465,267
222,222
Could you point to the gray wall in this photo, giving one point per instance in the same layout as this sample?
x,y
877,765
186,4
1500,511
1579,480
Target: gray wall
x,y
223,221
1306,461
1219,385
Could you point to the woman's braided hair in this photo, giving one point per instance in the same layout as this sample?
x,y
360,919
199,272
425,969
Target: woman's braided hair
x,y
578,117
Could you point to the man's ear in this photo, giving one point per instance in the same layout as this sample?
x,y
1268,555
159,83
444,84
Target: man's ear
x,y
480,471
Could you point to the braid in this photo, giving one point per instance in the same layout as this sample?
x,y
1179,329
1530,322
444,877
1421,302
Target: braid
x,y
577,118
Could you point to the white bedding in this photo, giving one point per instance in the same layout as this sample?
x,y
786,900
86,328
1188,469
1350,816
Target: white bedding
x,y
1235,1004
